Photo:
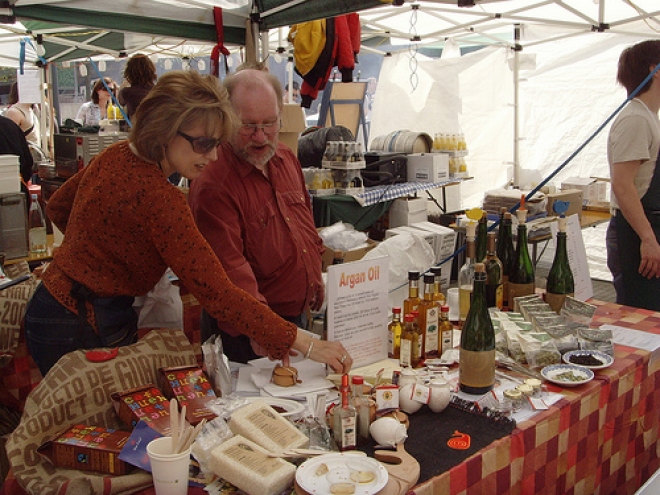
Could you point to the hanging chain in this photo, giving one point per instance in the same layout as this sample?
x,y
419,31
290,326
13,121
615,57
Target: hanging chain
x,y
412,48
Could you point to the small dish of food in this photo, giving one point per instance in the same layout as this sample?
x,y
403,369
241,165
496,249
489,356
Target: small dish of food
x,y
567,375
594,360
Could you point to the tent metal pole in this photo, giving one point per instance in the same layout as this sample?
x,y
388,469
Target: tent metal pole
x,y
516,107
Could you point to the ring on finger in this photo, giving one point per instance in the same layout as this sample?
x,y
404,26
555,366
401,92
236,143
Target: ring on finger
x,y
343,358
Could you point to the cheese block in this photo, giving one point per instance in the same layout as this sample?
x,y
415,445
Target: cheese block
x,y
263,425
247,466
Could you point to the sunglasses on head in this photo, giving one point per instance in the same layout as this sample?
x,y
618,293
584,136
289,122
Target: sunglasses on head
x,y
201,144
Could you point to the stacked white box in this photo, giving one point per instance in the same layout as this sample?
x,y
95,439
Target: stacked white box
x,y
594,191
445,238
406,211
427,167
10,178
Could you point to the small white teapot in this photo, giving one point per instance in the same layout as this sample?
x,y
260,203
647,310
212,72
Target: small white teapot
x,y
408,376
439,394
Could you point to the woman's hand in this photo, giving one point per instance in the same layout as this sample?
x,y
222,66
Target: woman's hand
x,y
334,354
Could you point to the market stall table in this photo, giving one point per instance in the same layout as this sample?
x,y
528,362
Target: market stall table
x,y
600,438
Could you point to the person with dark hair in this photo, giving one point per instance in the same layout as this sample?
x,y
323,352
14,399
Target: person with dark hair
x,y
24,116
140,74
92,112
295,95
633,147
252,206
124,224
13,142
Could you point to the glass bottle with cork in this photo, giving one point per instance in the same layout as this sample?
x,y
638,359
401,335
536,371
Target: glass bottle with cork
x,y
438,296
345,420
361,405
411,343
494,289
521,277
446,330
481,241
477,354
505,252
560,278
37,227
466,273
394,331
429,312
412,301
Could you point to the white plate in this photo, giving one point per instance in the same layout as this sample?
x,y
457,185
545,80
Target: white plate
x,y
551,372
340,467
291,407
606,359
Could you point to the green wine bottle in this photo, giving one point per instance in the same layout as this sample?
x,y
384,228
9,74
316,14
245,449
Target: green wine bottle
x,y
477,354
505,252
494,288
560,278
521,276
482,238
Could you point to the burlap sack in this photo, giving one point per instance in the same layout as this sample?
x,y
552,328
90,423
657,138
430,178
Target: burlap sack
x,y
76,390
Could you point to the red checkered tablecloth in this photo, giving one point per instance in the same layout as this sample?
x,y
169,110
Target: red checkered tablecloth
x,y
602,438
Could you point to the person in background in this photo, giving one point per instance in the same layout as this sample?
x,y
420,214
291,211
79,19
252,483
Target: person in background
x,y
92,112
124,224
24,116
633,251
140,74
295,95
13,142
252,206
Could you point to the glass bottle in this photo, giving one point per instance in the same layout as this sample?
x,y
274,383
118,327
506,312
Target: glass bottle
x,y
337,257
477,354
438,296
37,227
429,313
466,274
482,238
505,252
361,404
411,345
560,279
394,331
412,301
494,289
345,420
521,276
446,330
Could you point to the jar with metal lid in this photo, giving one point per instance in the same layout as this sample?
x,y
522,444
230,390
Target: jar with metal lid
x,y
536,385
515,396
525,389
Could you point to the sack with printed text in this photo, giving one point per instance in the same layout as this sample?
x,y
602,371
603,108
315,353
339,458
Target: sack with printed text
x,y
78,391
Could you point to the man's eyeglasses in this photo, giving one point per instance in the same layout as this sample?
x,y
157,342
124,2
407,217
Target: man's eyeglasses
x,y
201,145
269,129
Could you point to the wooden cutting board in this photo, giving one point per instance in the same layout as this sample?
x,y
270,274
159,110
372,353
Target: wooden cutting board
x,y
402,468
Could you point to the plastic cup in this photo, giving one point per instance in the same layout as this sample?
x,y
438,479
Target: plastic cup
x,y
169,471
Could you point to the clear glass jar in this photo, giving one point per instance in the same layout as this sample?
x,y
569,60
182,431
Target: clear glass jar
x,y
515,396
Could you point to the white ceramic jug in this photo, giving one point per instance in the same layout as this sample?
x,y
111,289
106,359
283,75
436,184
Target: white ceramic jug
x,y
439,394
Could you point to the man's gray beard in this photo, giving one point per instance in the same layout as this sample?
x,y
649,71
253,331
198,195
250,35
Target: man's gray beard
x,y
251,159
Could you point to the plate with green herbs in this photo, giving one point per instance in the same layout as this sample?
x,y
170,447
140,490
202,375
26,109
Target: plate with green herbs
x,y
594,360
567,375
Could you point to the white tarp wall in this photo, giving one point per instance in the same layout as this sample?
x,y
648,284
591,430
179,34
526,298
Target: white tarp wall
x,y
568,93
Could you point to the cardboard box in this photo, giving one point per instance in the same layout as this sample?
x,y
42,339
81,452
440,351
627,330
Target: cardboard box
x,y
573,196
406,229
594,191
445,238
88,448
428,167
13,225
191,387
348,256
406,211
293,123
143,403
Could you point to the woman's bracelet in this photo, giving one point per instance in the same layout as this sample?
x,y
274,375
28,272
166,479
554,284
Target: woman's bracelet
x,y
309,349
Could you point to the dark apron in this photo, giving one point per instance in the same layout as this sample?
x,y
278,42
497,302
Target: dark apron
x,y
639,291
